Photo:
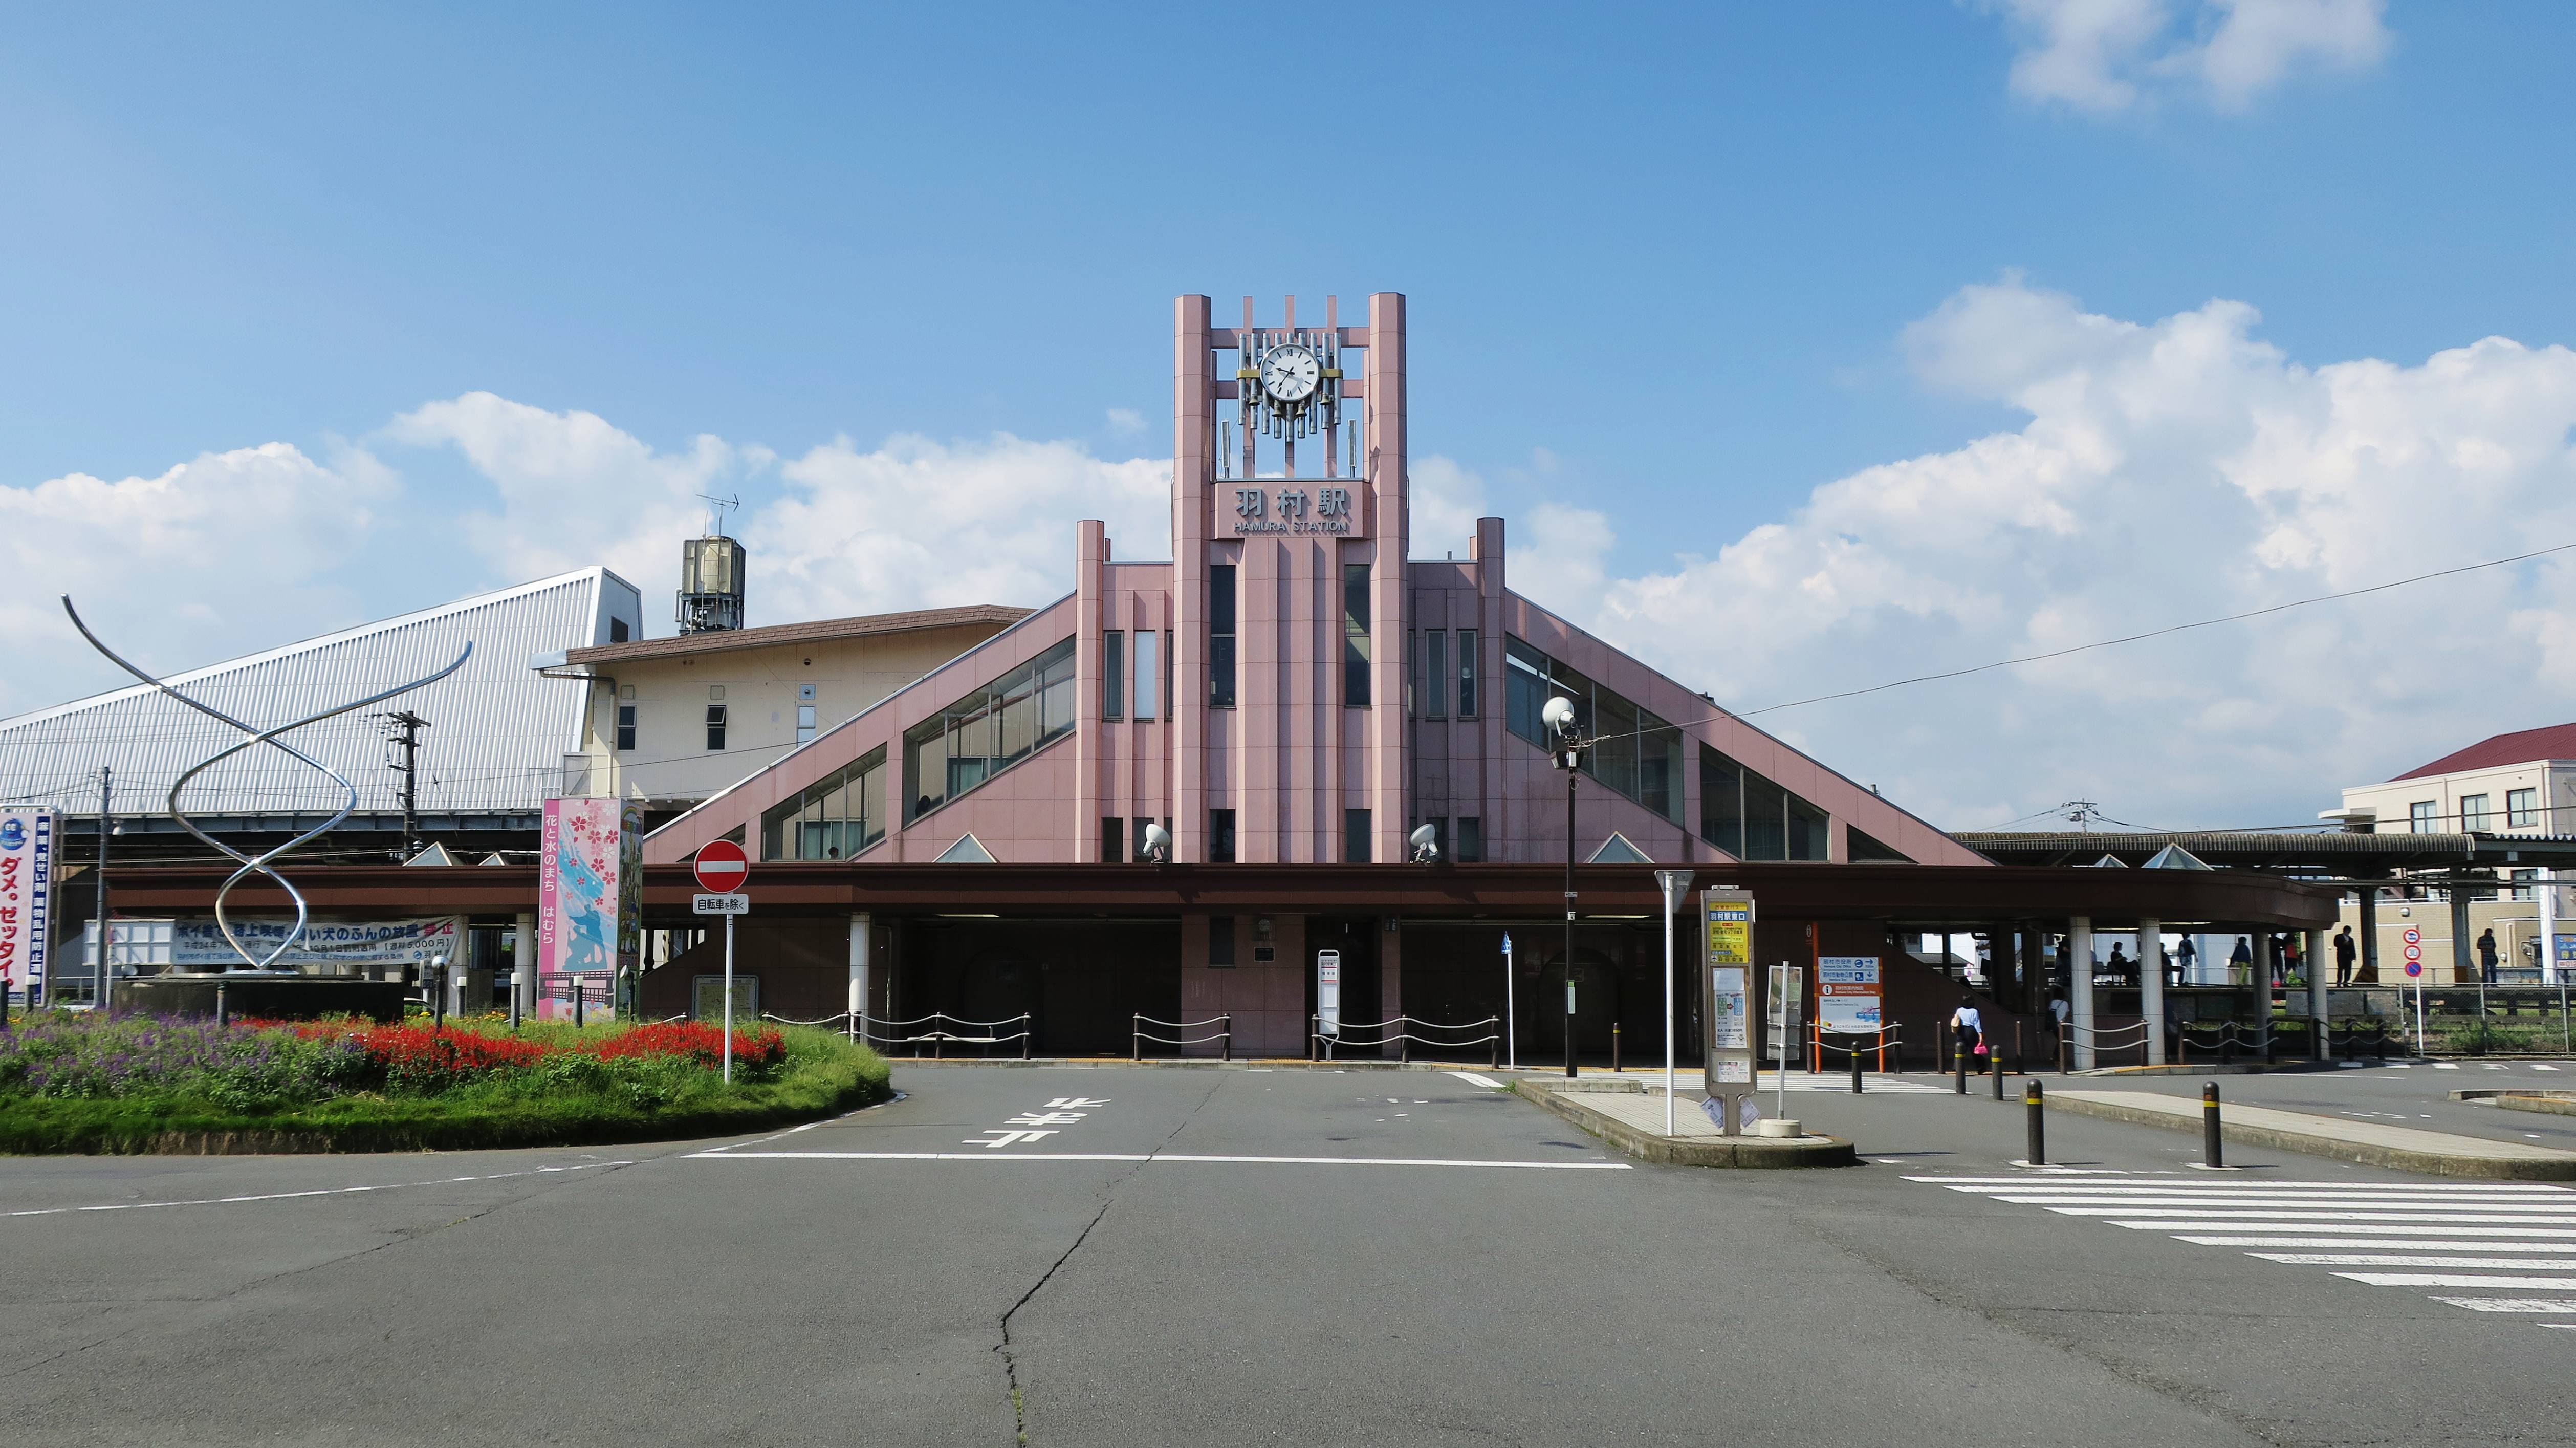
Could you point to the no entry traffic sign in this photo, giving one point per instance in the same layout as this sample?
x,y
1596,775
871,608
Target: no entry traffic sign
x,y
722,867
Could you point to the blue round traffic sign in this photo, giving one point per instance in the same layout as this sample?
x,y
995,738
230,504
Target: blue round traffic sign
x,y
2414,967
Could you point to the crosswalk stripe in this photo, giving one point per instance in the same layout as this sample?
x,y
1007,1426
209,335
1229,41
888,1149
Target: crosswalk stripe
x,y
2232,1215
2130,1183
2438,1279
2294,1202
2557,1306
2387,1244
2169,1224
2401,1259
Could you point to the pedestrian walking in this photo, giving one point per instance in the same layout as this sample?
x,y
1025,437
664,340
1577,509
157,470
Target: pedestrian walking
x,y
2487,955
2240,962
1968,1032
2190,962
2119,963
2345,949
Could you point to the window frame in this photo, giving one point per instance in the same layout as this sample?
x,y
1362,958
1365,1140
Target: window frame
x,y
1358,647
1113,674
717,723
2473,812
2525,814
626,728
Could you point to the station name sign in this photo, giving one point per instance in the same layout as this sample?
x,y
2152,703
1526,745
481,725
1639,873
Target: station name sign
x,y
1293,510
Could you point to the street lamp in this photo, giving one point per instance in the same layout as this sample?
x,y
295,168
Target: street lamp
x,y
1567,755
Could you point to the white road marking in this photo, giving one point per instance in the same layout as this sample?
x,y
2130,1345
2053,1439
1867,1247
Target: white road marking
x,y
2389,1244
2445,1066
2178,1227
316,1192
2024,1183
1141,1157
2400,1259
2136,1209
2222,1196
2437,1279
2538,1067
2559,1307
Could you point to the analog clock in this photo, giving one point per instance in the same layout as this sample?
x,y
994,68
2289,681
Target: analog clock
x,y
1290,373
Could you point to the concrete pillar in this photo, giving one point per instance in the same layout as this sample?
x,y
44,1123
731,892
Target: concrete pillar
x,y
2369,935
523,965
862,942
2079,987
2545,890
2464,964
2151,986
2317,969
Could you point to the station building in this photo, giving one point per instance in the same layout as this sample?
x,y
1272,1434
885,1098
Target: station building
x,y
1164,793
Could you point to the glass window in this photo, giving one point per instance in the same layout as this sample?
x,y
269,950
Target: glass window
x,y
1466,673
1220,849
1355,635
625,727
1721,801
1435,674
1635,751
715,728
1148,675
1221,636
1864,849
1809,830
2522,883
1766,819
2521,808
988,730
1113,840
1113,675
2420,817
1220,940
804,723
617,631
2473,812
834,818
1355,837
1471,839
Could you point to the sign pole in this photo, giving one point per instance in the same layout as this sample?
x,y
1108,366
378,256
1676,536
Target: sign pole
x,y
1511,1014
728,1002
1676,886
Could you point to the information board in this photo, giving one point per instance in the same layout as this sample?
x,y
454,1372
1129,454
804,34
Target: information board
x,y
1328,992
1727,1002
1847,993
26,898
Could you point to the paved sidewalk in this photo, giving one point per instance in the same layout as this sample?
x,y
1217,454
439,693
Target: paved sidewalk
x,y
2405,1148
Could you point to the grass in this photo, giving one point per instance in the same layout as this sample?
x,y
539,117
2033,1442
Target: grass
x,y
285,1103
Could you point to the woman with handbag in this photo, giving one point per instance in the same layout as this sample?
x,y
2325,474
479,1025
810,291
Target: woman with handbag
x,y
1968,1032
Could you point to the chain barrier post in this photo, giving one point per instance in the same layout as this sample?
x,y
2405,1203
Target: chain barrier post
x,y
1404,1040
2035,1123
1028,1032
1614,1048
2211,1153
1995,1068
1136,1038
1958,1065
1855,1064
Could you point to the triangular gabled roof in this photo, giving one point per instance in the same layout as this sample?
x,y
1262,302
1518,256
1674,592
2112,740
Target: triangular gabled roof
x,y
967,851
1619,850
2523,746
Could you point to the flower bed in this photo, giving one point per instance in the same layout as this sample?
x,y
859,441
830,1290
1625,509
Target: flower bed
x,y
85,1082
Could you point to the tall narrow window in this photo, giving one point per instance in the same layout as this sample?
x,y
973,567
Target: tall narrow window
x,y
1355,635
1113,675
625,727
1149,676
1721,802
1466,673
1435,669
804,723
1113,840
1221,636
1355,836
1471,839
715,728
1220,849
1172,701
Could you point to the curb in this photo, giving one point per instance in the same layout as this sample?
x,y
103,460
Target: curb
x,y
1199,1063
1726,1151
2428,1163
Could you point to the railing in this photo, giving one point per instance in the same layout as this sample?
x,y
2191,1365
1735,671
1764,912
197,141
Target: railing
x,y
1224,1036
886,1034
2067,1031
1881,1042
1398,1032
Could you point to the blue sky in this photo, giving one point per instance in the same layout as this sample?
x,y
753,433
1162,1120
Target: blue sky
x,y
1662,263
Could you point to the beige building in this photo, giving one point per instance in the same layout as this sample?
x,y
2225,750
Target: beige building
x,y
2523,783
672,721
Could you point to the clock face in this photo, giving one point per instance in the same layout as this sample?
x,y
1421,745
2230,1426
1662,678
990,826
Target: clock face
x,y
1290,373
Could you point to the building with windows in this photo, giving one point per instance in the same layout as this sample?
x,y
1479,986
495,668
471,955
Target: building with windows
x,y
1165,793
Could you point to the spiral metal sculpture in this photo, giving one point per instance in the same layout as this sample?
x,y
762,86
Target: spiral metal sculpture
x,y
259,864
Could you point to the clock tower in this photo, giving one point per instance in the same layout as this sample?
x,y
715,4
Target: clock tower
x,y
1289,616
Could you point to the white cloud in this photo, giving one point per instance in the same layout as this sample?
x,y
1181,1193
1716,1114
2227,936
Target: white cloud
x,y
576,490
920,524
1126,419
219,555
2104,56
2168,472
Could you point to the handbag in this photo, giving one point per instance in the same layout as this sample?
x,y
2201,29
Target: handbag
x,y
1981,1048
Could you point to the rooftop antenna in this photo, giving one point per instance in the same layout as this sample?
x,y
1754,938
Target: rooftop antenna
x,y
716,510
2082,811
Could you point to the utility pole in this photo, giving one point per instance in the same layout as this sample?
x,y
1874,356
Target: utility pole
x,y
403,732
106,826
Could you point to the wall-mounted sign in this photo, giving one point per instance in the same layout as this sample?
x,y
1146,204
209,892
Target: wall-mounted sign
x,y
1294,510
1847,996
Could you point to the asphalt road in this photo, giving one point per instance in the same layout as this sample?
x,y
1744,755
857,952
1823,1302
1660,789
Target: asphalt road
x,y
1171,1265
2416,1094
